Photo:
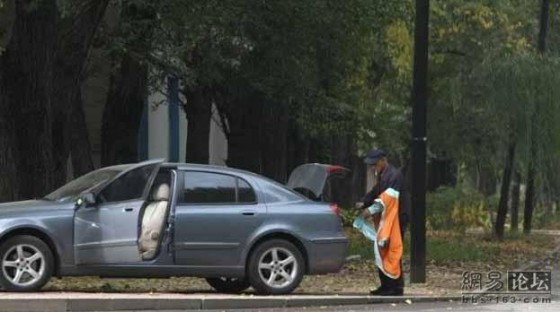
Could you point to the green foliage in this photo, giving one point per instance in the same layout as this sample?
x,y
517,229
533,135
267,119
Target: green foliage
x,y
348,215
359,245
345,68
456,209
6,21
457,248
464,34
107,287
513,98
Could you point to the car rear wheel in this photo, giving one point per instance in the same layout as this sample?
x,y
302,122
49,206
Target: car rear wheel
x,y
276,267
228,285
26,263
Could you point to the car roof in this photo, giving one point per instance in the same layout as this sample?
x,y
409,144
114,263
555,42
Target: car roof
x,y
190,166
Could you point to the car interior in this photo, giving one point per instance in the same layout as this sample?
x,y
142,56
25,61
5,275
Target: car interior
x,y
155,215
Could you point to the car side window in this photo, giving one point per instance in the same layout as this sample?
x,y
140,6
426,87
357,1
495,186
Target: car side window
x,y
215,188
130,185
245,192
274,192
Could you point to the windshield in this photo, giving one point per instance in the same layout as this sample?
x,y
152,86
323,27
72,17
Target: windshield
x,y
86,182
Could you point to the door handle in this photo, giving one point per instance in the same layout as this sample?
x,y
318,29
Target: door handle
x,y
248,213
128,209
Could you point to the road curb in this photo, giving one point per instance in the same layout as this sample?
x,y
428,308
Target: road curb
x,y
104,302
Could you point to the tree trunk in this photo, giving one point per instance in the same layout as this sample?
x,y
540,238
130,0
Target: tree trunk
x,y
44,60
543,22
80,147
341,153
504,193
273,142
486,180
199,113
75,36
128,89
359,179
244,124
515,201
441,173
531,171
27,66
121,117
529,198
314,150
298,148
8,154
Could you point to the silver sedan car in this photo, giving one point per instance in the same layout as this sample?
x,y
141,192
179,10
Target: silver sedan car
x,y
154,219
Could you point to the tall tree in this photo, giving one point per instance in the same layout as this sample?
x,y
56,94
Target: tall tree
x,y
128,87
44,57
80,146
531,170
77,27
27,72
198,111
515,193
8,182
504,192
128,92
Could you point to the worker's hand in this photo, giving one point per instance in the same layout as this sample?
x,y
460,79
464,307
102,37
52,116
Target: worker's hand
x,y
359,205
366,214
383,243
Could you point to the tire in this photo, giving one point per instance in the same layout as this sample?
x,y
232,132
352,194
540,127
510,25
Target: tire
x,y
263,264
228,285
33,272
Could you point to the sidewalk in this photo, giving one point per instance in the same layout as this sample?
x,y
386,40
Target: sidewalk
x,y
55,301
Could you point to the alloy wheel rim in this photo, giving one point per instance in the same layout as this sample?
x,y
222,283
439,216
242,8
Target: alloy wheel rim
x,y
278,267
23,265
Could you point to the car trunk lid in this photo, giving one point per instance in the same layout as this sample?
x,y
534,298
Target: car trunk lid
x,y
312,180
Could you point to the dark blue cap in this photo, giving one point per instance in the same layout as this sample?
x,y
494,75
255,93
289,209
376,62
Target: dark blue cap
x,y
374,155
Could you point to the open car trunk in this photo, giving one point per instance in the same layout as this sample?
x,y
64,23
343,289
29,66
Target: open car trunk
x,y
315,180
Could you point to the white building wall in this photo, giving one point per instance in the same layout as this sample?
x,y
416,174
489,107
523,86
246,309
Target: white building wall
x,y
158,126
158,132
218,142
183,124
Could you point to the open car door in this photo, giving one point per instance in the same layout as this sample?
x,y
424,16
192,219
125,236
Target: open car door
x,y
106,231
314,180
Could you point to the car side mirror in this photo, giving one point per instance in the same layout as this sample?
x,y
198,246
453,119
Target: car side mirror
x,y
86,199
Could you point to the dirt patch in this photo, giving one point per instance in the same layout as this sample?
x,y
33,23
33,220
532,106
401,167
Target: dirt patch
x,y
444,277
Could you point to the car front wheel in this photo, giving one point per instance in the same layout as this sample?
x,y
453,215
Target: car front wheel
x,y
26,263
276,267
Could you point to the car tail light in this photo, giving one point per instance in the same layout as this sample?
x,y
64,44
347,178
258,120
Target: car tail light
x,y
335,209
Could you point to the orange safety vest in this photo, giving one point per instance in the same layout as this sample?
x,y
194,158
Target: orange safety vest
x,y
388,258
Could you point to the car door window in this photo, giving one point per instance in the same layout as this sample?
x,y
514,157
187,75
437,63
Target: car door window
x,y
214,188
274,192
245,192
130,185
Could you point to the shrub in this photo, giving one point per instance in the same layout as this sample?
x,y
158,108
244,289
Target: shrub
x,y
456,208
